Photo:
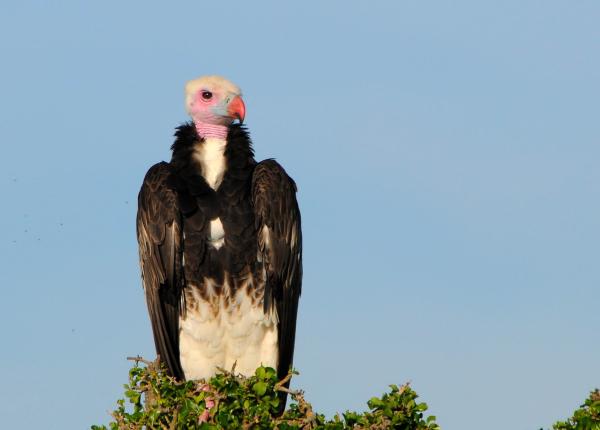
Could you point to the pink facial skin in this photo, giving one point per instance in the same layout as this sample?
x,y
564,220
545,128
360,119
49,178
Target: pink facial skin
x,y
210,111
212,115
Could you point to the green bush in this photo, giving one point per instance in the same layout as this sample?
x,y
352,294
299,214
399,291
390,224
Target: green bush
x,y
587,417
230,401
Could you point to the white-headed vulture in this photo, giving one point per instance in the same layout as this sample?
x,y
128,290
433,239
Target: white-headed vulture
x,y
220,245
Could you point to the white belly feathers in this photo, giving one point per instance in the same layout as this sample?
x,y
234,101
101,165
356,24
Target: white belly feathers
x,y
240,333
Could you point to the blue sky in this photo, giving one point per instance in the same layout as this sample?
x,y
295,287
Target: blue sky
x,y
447,159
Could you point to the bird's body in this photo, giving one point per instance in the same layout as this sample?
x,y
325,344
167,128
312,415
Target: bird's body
x,y
220,247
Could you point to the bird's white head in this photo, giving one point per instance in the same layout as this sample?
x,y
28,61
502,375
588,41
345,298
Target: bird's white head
x,y
214,103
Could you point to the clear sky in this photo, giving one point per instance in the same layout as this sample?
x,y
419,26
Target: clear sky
x,y
447,160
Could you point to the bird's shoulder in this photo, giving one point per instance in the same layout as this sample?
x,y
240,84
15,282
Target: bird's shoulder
x,y
157,176
273,189
270,172
161,185
157,202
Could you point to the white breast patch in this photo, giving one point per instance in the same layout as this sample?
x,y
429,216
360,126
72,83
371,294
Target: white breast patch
x,y
240,334
211,156
217,234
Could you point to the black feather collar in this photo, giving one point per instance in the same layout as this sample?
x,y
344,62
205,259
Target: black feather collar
x,y
239,152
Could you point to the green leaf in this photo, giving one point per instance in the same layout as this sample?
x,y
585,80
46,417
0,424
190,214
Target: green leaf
x,y
422,407
260,373
375,402
260,388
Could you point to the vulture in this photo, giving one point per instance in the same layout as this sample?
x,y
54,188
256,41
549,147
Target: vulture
x,y
220,245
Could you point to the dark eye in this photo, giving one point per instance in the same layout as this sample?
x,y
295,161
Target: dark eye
x,y
207,95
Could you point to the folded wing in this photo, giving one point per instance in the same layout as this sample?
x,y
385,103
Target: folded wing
x,y
159,233
280,247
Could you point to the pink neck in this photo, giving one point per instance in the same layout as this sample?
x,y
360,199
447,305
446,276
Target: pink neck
x,y
207,131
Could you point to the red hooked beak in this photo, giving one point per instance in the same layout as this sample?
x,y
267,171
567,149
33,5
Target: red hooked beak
x,y
237,109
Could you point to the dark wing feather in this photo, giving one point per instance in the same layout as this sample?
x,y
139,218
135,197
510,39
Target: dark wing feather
x,y
276,208
159,234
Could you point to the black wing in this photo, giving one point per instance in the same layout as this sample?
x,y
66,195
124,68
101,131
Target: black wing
x,y
280,244
159,233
